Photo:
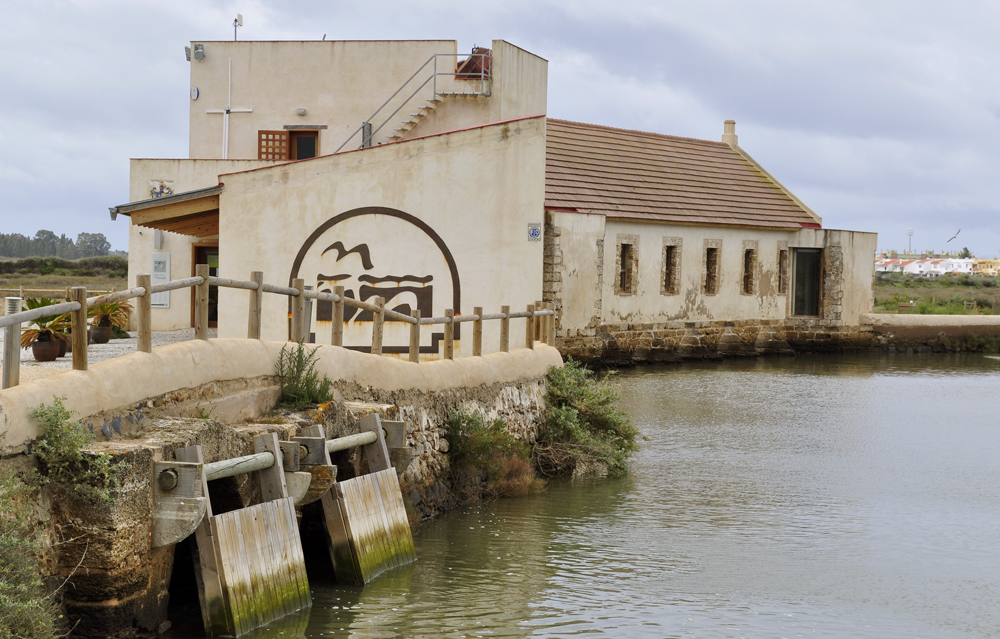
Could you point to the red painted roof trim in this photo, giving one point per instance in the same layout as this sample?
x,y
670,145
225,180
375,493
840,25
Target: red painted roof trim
x,y
423,137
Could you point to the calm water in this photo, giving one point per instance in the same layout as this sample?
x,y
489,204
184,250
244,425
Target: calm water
x,y
827,497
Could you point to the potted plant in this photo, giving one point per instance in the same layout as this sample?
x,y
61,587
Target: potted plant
x,y
105,316
45,336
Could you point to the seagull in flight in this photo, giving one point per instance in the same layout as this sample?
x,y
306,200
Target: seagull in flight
x,y
955,235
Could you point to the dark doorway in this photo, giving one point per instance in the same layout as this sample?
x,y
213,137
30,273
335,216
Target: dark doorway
x,y
208,255
305,145
807,282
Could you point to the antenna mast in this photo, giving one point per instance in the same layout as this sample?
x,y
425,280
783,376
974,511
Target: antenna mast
x,y
237,23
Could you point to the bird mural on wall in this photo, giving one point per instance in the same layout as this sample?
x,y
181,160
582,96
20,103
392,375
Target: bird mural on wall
x,y
955,235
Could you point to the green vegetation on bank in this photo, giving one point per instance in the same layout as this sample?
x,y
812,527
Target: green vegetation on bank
x,y
27,608
489,448
583,424
945,295
301,385
63,458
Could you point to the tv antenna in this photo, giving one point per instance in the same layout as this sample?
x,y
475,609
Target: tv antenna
x,y
909,248
237,23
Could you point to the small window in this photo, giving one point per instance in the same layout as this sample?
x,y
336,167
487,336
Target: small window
x,y
807,283
749,268
671,270
625,269
287,145
711,270
783,272
272,145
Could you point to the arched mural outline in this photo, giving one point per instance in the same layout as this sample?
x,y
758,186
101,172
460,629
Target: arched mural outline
x,y
415,221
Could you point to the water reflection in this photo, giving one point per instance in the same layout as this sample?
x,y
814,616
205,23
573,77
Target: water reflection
x,y
832,497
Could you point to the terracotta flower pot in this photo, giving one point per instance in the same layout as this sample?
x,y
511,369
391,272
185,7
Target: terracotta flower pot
x,y
100,334
45,351
62,346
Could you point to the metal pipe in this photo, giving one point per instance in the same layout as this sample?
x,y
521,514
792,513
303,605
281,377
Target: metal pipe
x,y
351,441
238,465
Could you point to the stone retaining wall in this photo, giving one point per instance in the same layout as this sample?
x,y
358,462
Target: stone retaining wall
x,y
630,344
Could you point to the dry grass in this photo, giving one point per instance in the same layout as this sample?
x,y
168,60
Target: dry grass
x,y
60,282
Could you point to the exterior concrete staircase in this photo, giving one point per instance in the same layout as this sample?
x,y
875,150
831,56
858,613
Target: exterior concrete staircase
x,y
477,68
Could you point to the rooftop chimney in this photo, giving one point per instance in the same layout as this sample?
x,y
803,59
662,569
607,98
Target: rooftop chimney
x,y
729,133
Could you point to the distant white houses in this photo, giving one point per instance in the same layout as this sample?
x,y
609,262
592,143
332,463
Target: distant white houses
x,y
926,267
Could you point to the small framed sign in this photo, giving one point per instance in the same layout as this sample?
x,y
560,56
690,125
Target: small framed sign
x,y
160,274
534,232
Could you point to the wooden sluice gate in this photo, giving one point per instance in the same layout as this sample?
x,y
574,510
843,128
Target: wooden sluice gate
x,y
249,562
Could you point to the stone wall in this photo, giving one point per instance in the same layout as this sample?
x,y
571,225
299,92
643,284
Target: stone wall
x,y
630,344
180,395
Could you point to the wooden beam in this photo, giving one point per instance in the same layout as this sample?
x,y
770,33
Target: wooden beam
x,y
415,337
477,332
176,210
449,334
201,302
505,330
144,313
337,338
256,305
298,311
378,322
79,326
529,327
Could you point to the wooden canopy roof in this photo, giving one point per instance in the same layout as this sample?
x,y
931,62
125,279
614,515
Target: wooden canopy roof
x,y
193,213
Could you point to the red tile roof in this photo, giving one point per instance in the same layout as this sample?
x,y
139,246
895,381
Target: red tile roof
x,y
631,174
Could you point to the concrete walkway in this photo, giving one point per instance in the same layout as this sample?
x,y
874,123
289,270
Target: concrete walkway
x,y
32,370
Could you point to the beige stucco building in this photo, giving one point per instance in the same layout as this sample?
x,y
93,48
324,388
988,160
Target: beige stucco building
x,y
445,186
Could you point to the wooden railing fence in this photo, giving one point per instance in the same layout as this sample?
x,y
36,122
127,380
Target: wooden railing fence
x,y
540,324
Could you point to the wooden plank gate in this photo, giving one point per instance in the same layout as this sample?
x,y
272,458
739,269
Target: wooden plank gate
x,y
249,562
365,518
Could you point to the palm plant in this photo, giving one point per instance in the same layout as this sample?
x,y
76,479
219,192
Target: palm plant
x,y
113,314
44,329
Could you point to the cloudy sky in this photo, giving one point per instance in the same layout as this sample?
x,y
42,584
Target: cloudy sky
x,y
882,116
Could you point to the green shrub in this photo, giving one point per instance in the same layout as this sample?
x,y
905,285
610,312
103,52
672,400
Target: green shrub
x,y
976,344
489,448
62,454
301,386
26,609
582,423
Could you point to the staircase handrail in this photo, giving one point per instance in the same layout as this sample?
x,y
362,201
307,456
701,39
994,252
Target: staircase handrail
x,y
483,75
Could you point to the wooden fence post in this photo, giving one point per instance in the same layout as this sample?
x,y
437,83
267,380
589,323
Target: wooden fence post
x,y
12,347
298,310
378,321
449,334
415,337
79,324
551,330
337,338
256,305
538,322
545,324
505,330
477,332
201,302
307,318
529,328
144,312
